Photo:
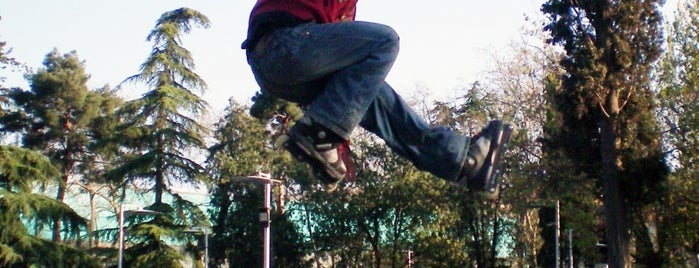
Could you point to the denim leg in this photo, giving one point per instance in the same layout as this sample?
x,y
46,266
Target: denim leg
x,y
435,149
336,69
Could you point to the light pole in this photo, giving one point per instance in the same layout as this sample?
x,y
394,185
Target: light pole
x,y
558,233
570,248
264,216
205,231
409,257
557,225
121,227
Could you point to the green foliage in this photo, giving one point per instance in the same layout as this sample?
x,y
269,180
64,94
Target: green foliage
x,y
156,128
18,164
5,62
609,47
242,148
157,137
265,105
152,255
678,210
605,105
56,102
466,114
570,171
57,117
390,209
21,171
149,235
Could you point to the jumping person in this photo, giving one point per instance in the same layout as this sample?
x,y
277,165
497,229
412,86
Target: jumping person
x,y
314,53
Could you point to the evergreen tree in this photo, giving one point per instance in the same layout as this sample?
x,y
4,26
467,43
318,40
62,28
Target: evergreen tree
x,y
21,171
159,136
55,117
159,127
521,79
242,148
606,106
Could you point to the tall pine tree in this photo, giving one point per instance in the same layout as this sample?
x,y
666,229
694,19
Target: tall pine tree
x,y
21,171
56,116
160,137
606,104
160,127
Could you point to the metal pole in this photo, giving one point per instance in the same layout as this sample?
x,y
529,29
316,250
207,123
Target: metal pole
x,y
121,228
558,233
121,236
206,248
570,248
267,202
203,230
266,179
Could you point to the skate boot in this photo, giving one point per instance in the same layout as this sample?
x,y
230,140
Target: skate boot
x,y
319,147
481,168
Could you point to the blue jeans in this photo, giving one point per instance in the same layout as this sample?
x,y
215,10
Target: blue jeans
x,y
338,72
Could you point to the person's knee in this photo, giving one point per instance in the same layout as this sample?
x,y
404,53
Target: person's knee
x,y
391,36
390,41
381,32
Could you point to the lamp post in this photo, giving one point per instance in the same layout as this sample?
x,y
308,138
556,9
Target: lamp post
x,y
557,225
205,231
264,216
558,233
570,248
121,227
409,257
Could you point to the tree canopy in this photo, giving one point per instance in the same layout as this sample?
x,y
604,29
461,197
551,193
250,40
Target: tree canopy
x,y
603,93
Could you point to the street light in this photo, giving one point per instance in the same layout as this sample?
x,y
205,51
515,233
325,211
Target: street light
x,y
557,224
570,248
205,231
121,227
264,216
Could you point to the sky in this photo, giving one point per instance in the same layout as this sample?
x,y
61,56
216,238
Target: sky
x,y
445,44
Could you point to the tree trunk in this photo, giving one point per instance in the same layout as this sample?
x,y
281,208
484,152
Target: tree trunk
x,y
397,230
309,226
56,231
160,179
375,243
496,234
373,236
60,196
159,188
92,242
160,166
615,208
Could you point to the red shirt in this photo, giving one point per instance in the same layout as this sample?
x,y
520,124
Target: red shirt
x,y
320,11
